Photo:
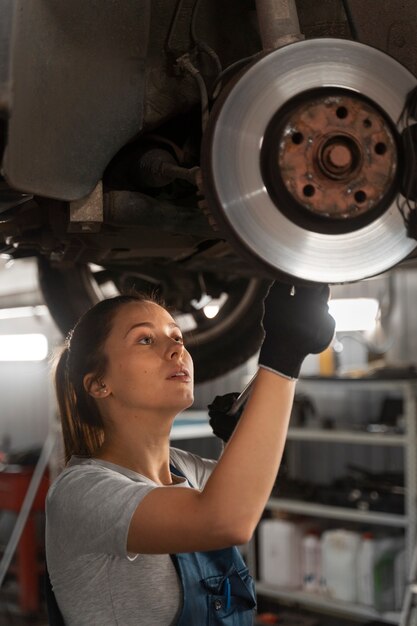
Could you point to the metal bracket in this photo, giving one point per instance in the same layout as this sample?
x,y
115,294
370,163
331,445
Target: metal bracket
x,y
86,215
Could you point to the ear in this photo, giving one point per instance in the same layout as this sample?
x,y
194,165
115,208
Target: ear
x,y
95,387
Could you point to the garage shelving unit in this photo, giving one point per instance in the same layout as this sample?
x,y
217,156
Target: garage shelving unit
x,y
407,522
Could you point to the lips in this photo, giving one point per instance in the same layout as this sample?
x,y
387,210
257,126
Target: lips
x,y
180,375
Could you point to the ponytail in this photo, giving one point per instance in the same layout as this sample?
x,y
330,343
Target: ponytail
x,y
81,438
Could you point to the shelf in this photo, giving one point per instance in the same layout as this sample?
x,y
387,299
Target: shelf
x,y
346,436
372,384
325,604
335,512
342,388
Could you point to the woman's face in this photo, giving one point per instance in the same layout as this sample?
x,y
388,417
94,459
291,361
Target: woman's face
x,y
148,365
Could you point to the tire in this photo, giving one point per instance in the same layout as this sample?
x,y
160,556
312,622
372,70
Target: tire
x,y
217,346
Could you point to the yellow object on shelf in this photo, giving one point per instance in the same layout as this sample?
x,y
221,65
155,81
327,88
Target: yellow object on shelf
x,y
327,362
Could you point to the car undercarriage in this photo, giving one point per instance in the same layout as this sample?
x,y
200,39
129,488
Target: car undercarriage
x,y
200,149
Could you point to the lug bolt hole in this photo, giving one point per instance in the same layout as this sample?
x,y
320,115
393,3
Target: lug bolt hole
x,y
367,123
341,112
380,148
309,191
297,138
360,196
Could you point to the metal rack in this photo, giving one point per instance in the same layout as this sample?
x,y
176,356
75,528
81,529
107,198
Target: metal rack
x,y
408,521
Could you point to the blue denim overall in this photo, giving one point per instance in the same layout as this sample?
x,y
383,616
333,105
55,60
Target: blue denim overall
x,y
217,587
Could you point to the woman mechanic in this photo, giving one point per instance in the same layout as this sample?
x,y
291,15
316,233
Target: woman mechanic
x,y
139,533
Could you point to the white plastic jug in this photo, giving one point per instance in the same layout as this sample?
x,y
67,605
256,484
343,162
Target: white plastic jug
x,y
280,553
339,555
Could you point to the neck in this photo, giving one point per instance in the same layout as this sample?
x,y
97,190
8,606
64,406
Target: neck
x,y
140,444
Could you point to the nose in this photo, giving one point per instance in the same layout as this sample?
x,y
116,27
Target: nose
x,y
175,350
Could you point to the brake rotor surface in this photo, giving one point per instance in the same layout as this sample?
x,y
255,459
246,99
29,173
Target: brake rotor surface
x,y
301,161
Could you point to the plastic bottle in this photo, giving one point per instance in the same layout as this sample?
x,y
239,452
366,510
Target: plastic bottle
x,y
399,578
339,555
280,553
365,569
379,572
311,561
384,573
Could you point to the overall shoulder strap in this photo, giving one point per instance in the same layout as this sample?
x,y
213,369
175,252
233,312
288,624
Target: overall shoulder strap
x,y
177,472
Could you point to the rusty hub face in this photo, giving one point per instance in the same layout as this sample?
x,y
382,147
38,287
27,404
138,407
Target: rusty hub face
x,y
337,156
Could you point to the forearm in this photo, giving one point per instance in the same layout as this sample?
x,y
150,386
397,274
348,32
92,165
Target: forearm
x,y
226,511
239,487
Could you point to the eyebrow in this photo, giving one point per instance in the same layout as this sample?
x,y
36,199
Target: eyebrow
x,y
150,325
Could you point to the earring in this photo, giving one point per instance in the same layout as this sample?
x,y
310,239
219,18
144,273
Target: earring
x,y
103,387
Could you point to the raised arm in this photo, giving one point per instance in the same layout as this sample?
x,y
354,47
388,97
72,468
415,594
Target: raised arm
x,y
227,511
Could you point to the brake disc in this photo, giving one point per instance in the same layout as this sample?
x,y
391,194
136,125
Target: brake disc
x,y
302,161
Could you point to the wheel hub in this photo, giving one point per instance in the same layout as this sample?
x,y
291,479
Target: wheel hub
x,y
337,156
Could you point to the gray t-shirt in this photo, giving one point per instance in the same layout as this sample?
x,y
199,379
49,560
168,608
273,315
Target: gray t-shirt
x,y
96,582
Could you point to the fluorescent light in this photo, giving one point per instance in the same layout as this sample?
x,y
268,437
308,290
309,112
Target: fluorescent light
x,y
186,322
23,311
354,314
211,310
96,268
23,347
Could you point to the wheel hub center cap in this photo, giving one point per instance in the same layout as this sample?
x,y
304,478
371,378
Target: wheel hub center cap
x,y
335,159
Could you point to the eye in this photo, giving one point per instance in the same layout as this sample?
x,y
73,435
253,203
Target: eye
x,y
147,340
178,339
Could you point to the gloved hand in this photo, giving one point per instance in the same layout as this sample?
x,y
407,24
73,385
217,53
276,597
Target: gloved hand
x,y
295,326
223,424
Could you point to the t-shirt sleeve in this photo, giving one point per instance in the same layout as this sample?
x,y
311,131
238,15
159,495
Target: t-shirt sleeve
x,y
194,467
93,506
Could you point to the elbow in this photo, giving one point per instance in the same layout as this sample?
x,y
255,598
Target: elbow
x,y
243,537
239,533
228,524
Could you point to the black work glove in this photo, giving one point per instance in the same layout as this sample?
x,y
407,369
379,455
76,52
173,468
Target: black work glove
x,y
223,424
295,326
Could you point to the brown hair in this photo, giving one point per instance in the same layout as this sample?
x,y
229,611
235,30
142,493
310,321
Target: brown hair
x,y
82,426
